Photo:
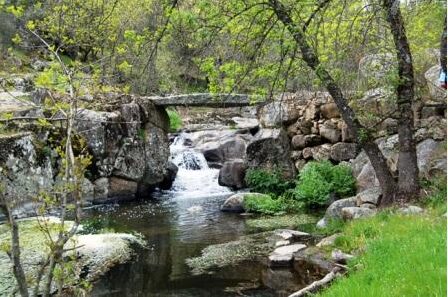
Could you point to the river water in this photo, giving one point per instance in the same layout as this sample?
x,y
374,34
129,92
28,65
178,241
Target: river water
x,y
177,224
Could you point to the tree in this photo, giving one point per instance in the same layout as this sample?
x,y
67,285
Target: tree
x,y
65,196
309,55
270,41
408,182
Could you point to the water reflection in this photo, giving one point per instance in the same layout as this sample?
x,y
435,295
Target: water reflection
x,y
177,225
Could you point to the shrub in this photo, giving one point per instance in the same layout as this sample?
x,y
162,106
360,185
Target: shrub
x,y
175,120
267,181
263,204
435,193
318,180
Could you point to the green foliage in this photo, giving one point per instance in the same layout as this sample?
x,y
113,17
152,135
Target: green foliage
x,y
53,78
318,180
395,248
141,134
264,204
94,226
436,193
175,120
267,181
332,226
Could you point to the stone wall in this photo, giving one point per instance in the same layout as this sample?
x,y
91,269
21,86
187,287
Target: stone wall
x,y
316,131
313,125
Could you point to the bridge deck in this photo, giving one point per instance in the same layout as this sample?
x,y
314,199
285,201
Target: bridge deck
x,y
206,100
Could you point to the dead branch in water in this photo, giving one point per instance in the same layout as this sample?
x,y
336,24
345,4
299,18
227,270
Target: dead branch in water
x,y
333,274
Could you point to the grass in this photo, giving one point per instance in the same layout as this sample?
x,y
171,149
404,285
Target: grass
x,y
264,204
175,120
399,256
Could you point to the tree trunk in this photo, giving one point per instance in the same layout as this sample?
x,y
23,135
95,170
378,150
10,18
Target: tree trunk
x,y
408,183
17,268
382,171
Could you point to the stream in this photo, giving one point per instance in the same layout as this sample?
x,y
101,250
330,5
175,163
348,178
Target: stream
x,y
177,224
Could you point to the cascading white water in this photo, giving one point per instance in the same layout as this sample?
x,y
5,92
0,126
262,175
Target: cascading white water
x,y
195,178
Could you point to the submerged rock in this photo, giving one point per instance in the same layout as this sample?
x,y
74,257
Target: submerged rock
x,y
235,203
247,248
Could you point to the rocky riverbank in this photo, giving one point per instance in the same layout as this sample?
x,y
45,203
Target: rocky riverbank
x,y
95,254
126,138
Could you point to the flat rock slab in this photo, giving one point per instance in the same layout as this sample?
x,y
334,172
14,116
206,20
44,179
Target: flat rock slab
x,y
286,234
280,260
289,249
205,100
283,256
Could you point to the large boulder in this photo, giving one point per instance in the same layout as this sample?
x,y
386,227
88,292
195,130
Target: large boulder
x,y
276,113
121,189
370,196
377,66
171,172
432,80
222,151
270,150
102,137
232,174
335,210
429,155
353,213
95,254
129,143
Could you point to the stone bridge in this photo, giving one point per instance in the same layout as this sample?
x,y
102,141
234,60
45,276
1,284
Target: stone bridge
x,y
207,100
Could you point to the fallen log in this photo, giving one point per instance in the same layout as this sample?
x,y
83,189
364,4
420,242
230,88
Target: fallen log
x,y
334,273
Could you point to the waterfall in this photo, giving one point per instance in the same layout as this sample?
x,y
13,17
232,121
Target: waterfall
x,y
195,178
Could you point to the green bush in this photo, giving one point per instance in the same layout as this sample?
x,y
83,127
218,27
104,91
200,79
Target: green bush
x,y
318,180
267,181
175,120
264,204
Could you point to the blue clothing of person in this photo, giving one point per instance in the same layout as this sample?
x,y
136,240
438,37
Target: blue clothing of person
x,y
442,77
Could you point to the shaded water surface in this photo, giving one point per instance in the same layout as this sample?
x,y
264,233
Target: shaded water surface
x,y
177,225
